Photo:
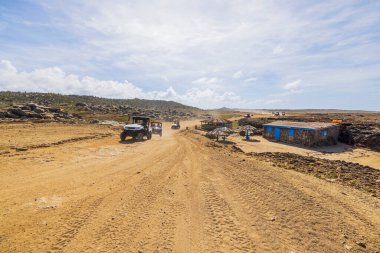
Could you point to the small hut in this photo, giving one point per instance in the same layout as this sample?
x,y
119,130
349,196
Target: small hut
x,y
306,133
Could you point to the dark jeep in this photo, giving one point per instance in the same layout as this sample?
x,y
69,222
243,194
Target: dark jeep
x,y
139,128
156,127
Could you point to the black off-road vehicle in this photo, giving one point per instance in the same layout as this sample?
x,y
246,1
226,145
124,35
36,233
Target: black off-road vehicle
x,y
175,124
156,127
139,129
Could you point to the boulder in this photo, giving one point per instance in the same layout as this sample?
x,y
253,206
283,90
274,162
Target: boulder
x,y
47,116
81,104
17,111
32,106
55,110
39,110
25,107
11,115
77,115
94,121
34,115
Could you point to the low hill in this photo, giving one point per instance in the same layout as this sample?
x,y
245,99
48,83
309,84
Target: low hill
x,y
53,99
90,107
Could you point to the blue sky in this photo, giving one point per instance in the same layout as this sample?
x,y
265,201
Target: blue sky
x,y
246,54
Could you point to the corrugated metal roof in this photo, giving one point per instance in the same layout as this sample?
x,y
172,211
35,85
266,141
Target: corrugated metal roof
x,y
303,125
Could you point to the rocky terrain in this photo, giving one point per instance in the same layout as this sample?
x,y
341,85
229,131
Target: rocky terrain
x,y
34,111
362,135
361,177
47,106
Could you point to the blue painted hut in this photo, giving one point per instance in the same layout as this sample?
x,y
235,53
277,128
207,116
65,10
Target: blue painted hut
x,y
306,133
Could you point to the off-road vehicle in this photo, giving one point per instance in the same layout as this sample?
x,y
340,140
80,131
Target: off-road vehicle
x,y
175,124
156,127
139,129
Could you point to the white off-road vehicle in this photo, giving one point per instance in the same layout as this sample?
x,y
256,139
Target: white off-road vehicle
x,y
139,129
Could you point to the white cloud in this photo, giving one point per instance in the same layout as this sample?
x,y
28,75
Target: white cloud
x,y
206,81
250,80
294,87
209,82
159,44
55,80
277,50
238,74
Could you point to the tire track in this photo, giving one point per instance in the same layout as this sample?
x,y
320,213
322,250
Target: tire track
x,y
133,219
301,221
73,224
297,219
223,226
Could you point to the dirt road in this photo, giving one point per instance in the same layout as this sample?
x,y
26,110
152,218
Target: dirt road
x,y
178,193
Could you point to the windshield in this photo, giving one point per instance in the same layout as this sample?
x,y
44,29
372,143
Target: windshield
x,y
143,122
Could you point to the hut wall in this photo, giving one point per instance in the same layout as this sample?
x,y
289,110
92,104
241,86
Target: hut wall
x,y
268,132
297,136
327,136
307,137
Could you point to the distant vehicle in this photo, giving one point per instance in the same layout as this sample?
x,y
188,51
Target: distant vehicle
x,y
247,116
156,127
139,129
176,125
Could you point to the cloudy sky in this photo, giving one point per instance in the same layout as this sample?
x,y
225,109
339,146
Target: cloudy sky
x,y
247,54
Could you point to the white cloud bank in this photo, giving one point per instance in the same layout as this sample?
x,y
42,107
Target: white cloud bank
x,y
56,80
210,48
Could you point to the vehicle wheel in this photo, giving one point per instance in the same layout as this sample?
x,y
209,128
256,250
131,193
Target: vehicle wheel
x,y
139,137
149,136
123,135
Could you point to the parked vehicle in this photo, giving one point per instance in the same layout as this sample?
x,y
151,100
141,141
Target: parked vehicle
x,y
176,125
139,129
156,127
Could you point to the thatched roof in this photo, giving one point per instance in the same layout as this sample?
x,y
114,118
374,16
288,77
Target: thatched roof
x,y
221,131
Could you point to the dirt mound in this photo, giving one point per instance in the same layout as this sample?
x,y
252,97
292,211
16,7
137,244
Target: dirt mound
x,y
361,177
362,135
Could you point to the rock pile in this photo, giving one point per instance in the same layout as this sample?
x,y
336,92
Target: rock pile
x,y
34,111
363,135
130,110
256,122
361,177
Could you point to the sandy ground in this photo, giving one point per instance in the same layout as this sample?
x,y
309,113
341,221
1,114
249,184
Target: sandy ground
x,y
178,193
341,151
